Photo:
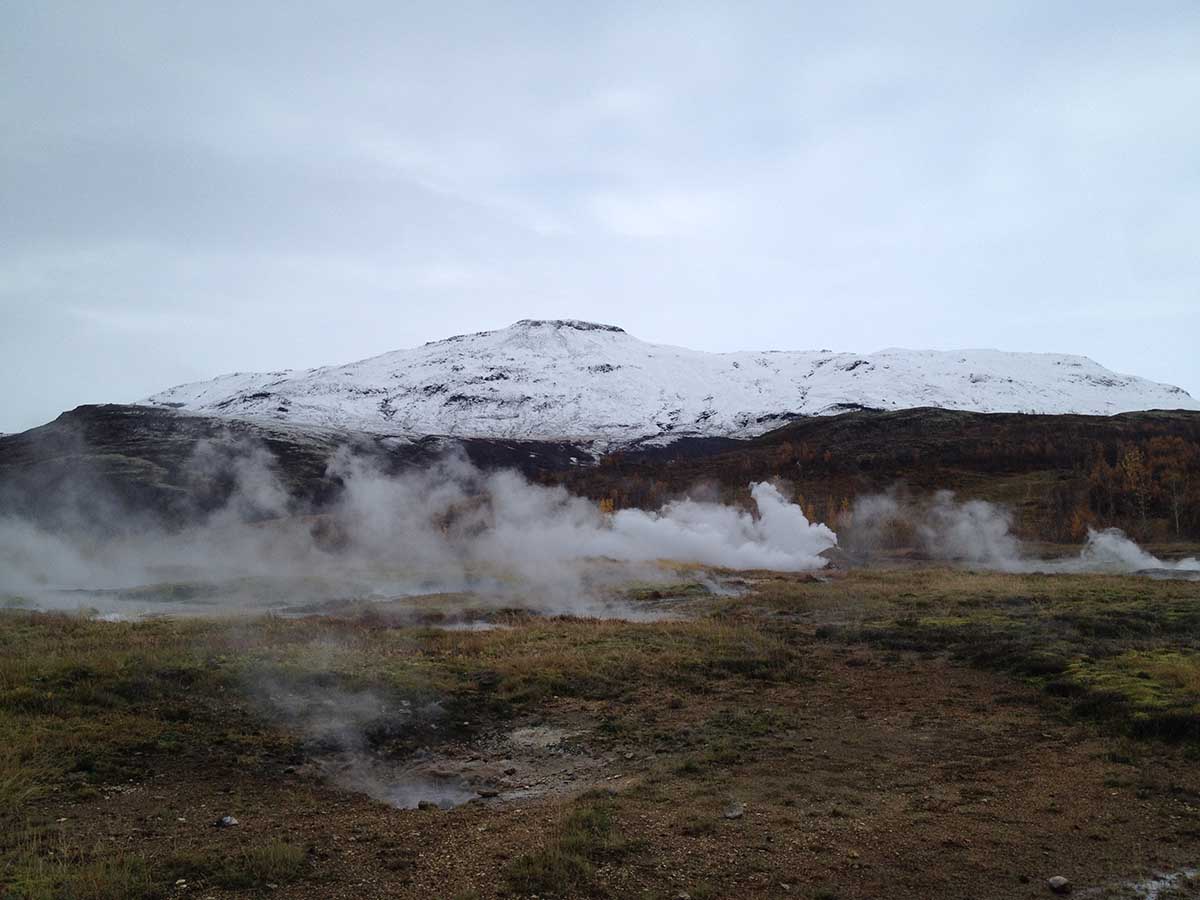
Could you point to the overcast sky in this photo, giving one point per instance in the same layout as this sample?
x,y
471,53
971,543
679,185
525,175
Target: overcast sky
x,y
188,189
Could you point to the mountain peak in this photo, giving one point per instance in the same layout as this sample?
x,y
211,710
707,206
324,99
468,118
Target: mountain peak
x,y
559,324
570,379
528,326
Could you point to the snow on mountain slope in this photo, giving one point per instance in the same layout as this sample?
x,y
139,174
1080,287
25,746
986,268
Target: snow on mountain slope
x,y
569,379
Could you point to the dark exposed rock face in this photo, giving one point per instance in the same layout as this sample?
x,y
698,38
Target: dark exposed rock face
x,y
104,459
136,465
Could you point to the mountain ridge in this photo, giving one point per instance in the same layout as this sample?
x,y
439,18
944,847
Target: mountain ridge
x,y
577,380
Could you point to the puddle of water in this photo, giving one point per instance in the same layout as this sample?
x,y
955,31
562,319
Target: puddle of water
x,y
417,599
412,791
408,786
1158,886
723,586
476,625
1155,887
657,611
1171,574
114,617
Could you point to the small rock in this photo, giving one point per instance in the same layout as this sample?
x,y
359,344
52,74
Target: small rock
x,y
1059,885
629,755
488,793
510,771
735,810
426,804
226,822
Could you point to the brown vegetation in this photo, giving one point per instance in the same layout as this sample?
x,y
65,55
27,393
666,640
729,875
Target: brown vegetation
x,y
1060,474
922,733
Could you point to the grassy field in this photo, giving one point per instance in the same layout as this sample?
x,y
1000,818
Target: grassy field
x,y
1122,649
915,733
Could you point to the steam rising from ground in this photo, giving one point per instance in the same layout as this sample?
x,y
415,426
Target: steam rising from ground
x,y
453,528
450,527
340,726
980,534
1111,550
455,513
941,527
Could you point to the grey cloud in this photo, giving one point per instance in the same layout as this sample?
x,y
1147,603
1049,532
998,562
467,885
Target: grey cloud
x,y
264,185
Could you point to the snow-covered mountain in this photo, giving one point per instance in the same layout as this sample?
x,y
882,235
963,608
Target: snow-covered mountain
x,y
564,379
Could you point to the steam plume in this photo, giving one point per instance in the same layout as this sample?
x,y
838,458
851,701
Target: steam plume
x,y
444,528
980,534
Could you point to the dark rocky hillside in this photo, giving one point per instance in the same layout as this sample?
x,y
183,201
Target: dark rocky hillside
x,y
140,464
1059,473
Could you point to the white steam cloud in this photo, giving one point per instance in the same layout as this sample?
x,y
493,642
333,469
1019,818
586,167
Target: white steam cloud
x,y
449,527
979,533
1110,550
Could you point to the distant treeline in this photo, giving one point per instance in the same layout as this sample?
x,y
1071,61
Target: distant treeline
x,y
1059,474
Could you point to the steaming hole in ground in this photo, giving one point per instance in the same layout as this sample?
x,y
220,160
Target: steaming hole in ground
x,y
501,765
363,743
412,756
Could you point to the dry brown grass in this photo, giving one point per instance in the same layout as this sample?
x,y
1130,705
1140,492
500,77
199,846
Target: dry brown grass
x,y
718,697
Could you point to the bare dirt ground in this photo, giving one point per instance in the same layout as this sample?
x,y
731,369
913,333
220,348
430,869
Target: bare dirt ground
x,y
914,779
